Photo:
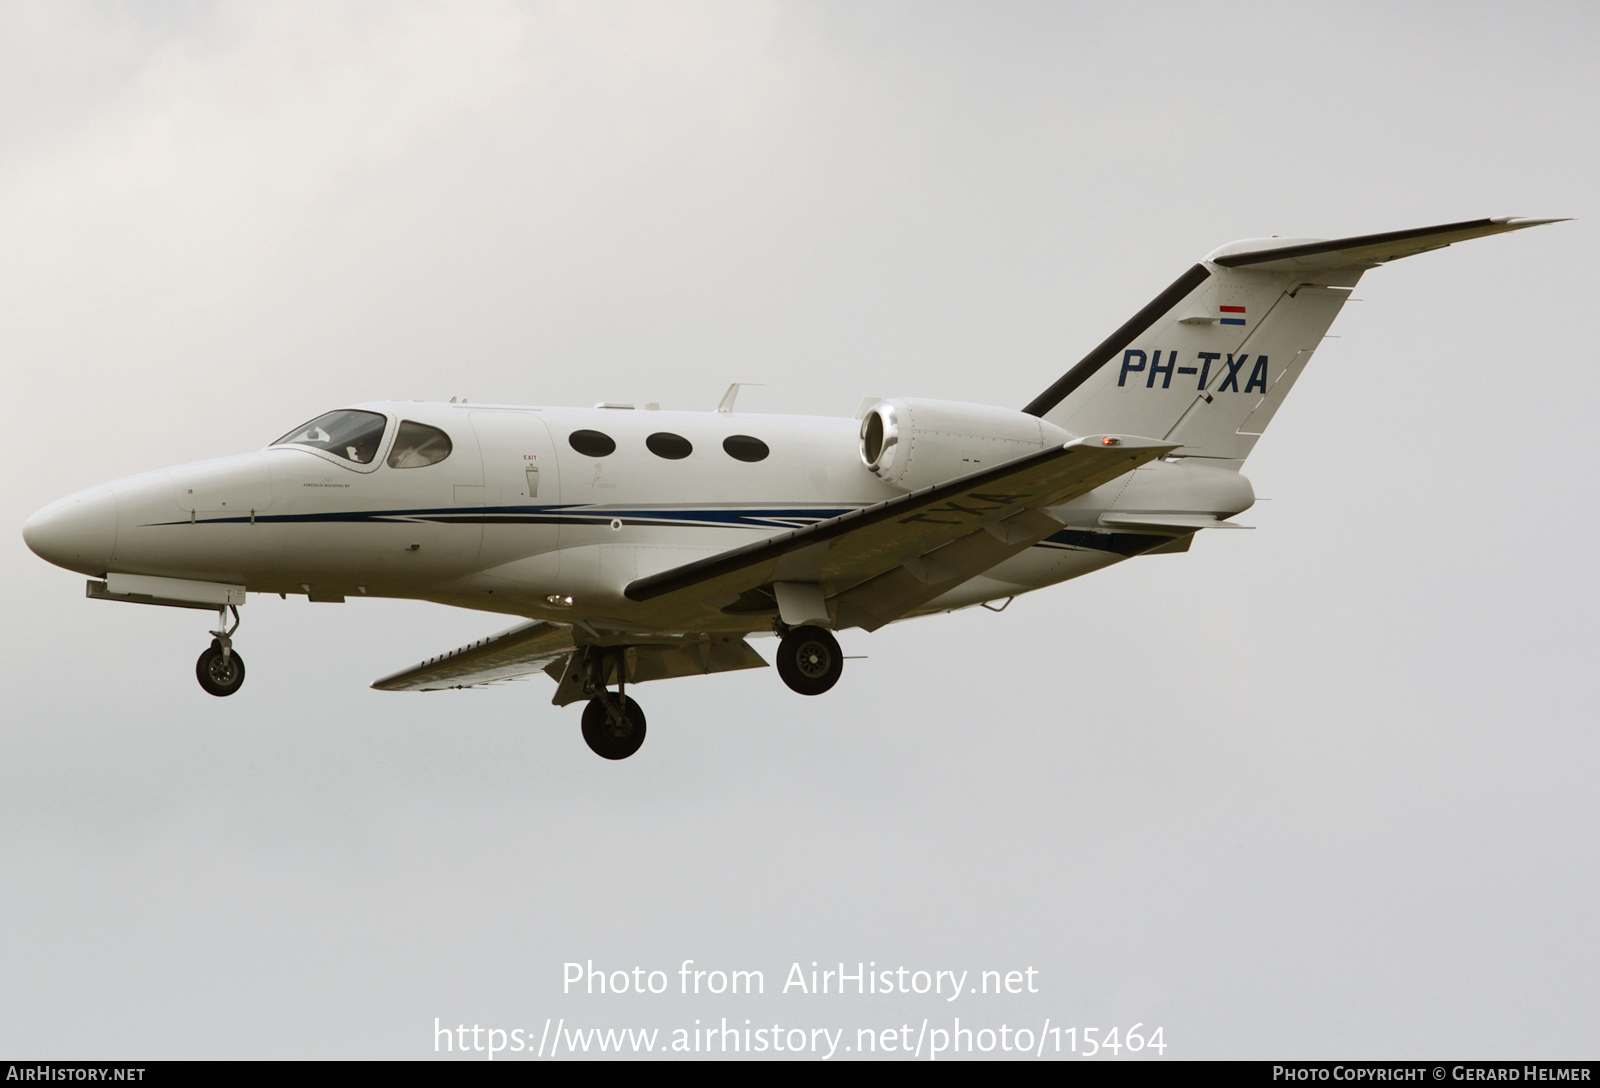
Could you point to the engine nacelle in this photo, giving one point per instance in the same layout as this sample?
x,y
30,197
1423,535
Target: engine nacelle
x,y
914,443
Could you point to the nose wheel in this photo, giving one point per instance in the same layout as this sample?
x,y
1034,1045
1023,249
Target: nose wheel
x,y
809,660
219,674
220,669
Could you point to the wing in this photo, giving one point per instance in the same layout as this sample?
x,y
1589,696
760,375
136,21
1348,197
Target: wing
x,y
524,649
876,564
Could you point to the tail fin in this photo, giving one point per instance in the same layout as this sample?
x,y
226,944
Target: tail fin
x,y
1207,363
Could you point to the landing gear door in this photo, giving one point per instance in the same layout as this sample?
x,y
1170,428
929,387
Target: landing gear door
x,y
522,488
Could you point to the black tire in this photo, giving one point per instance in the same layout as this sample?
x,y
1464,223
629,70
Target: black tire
x,y
218,675
604,738
809,660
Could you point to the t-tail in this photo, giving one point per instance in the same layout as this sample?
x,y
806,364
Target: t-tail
x,y
1209,361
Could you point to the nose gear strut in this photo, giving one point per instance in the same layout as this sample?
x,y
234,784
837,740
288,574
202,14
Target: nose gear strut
x,y
220,669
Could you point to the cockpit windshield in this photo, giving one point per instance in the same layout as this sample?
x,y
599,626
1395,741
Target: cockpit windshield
x,y
346,433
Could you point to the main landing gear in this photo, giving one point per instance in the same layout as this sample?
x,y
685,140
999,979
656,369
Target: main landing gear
x,y
809,660
613,725
220,669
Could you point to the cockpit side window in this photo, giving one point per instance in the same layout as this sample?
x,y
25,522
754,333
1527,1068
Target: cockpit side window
x,y
418,444
346,433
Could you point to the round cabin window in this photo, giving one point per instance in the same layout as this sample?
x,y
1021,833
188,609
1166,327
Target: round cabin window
x,y
674,447
742,447
592,443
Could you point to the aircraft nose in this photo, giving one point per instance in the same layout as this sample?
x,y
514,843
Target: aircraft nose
x,y
77,532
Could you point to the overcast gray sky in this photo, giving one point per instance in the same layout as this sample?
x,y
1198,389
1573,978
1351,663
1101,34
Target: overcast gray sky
x,y
1321,790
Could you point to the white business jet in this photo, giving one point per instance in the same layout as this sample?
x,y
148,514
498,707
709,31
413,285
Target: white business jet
x,y
644,544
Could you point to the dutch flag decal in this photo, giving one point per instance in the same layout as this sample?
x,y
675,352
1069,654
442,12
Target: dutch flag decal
x,y
1239,310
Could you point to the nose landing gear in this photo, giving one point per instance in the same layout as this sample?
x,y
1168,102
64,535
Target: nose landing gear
x,y
220,669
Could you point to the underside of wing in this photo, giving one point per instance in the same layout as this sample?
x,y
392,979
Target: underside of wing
x,y
877,563
567,654
525,649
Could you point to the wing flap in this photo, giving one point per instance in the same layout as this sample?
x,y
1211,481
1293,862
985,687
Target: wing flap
x,y
524,649
892,594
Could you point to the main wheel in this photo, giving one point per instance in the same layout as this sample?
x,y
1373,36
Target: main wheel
x,y
809,660
217,674
608,739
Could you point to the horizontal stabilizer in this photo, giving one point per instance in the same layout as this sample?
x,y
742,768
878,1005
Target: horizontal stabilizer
x,y
1362,251
1178,523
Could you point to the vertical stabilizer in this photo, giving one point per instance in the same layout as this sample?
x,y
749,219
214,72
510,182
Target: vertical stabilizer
x,y
1211,367
1209,361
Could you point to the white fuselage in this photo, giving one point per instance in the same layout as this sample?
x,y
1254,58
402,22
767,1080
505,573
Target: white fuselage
x,y
517,520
